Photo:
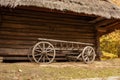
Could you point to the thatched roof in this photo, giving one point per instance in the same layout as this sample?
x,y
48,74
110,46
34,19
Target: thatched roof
x,y
97,7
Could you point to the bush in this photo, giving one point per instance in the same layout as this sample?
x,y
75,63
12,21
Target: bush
x,y
110,43
107,55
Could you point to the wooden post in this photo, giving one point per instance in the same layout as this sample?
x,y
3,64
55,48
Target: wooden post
x,y
0,17
98,51
1,58
119,51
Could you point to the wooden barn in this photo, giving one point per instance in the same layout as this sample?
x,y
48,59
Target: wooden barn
x,y
23,21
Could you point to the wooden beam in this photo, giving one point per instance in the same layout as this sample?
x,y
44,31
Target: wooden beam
x,y
105,22
98,19
98,51
103,26
109,28
0,16
112,25
99,29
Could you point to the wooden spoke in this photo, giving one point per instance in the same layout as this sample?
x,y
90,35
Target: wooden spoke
x,y
88,54
37,50
39,47
49,47
43,52
49,50
43,59
40,58
87,59
47,57
37,55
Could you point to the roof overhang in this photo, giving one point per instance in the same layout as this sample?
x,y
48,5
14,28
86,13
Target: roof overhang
x,y
102,8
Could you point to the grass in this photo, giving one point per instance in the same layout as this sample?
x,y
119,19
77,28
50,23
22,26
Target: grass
x,y
31,71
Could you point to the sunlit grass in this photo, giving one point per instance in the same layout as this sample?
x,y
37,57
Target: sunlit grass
x,y
106,55
31,71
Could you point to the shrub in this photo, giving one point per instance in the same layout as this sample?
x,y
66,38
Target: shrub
x,y
110,43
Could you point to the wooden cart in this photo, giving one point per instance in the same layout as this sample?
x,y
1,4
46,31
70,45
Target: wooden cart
x,y
45,50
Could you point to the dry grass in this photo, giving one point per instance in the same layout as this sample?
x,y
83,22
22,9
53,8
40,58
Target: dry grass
x,y
107,55
59,71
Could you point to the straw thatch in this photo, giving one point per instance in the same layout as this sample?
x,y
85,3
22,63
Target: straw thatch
x,y
97,7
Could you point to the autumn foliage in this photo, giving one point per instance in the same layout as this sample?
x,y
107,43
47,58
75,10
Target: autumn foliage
x,y
110,43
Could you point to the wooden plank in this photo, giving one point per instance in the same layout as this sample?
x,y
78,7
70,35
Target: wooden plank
x,y
45,17
25,58
16,42
48,27
43,13
62,38
98,19
15,58
105,22
34,38
44,34
13,52
101,29
112,25
97,49
62,41
38,29
15,46
35,21
0,17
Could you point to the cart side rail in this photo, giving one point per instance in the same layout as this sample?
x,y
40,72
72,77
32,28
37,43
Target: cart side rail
x,y
62,41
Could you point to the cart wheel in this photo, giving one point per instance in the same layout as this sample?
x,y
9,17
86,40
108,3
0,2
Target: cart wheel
x,y
29,54
43,52
88,54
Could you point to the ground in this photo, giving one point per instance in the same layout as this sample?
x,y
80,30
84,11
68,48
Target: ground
x,y
59,70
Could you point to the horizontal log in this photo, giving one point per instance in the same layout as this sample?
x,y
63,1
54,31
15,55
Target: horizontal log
x,y
13,52
16,42
15,46
44,34
43,13
15,58
48,27
46,17
24,40
25,31
25,58
37,21
34,38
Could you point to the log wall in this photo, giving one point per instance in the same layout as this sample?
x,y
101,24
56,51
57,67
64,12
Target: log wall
x,y
21,28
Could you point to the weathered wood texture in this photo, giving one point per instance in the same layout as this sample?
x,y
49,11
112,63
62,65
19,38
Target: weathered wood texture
x,y
21,28
0,19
